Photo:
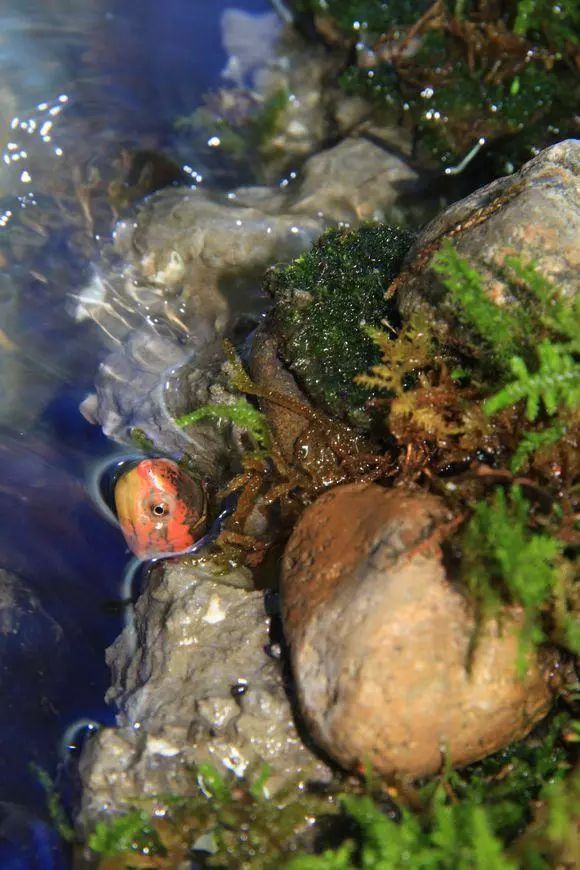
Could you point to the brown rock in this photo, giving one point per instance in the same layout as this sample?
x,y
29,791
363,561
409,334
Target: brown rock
x,y
267,370
307,439
380,640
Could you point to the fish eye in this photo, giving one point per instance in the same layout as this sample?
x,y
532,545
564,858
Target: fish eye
x,y
160,509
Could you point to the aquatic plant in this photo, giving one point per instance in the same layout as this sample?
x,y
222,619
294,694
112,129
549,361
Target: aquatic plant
x,y
240,412
323,298
229,823
246,124
462,74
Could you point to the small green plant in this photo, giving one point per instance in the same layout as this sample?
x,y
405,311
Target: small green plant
x,y
554,384
240,412
497,326
132,832
533,343
231,821
533,441
56,810
506,561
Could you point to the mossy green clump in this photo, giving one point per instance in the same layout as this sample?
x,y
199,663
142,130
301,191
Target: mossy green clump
x,y
463,75
458,820
322,302
517,397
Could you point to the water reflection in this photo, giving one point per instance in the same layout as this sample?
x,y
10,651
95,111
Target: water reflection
x,y
78,79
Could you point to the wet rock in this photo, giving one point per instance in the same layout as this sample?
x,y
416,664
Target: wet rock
x,y
268,373
192,265
193,683
533,214
308,440
380,640
355,181
204,254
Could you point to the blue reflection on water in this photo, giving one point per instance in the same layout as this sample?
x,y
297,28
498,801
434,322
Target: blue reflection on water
x,y
132,67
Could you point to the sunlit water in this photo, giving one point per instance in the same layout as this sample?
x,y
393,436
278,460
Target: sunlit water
x,y
78,79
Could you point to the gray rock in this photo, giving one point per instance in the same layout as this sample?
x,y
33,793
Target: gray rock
x,y
193,683
534,214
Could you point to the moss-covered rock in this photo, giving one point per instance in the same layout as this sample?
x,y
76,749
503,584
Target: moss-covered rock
x,y
323,301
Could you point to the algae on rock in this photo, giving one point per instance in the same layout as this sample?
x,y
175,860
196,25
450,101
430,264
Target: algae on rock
x,y
322,303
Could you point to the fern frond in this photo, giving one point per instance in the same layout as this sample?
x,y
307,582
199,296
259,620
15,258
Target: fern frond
x,y
401,355
559,315
241,413
533,441
505,561
493,323
557,382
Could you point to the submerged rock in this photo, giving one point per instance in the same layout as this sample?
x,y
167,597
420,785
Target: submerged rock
x,y
192,266
193,683
382,642
533,214
32,647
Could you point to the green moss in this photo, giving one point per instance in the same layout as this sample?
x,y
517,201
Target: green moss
x,y
468,817
504,74
533,441
533,341
506,560
234,823
559,22
323,301
500,328
555,383
241,413
461,820
132,832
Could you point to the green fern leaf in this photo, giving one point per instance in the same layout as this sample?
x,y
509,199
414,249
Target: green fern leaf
x,y
241,413
495,324
557,382
533,441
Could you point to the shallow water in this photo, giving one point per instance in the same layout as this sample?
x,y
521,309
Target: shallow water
x,y
79,78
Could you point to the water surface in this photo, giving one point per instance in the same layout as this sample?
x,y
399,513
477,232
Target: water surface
x,y
79,79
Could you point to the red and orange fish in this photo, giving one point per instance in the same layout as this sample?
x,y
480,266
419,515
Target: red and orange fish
x,y
161,510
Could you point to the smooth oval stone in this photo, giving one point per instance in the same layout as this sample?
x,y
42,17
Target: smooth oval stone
x,y
381,640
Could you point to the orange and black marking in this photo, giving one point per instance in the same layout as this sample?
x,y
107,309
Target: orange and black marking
x,y
161,510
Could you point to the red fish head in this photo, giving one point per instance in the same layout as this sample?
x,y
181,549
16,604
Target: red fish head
x,y
160,508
